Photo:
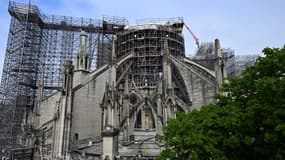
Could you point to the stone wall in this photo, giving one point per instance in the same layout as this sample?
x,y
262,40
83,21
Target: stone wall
x,y
86,111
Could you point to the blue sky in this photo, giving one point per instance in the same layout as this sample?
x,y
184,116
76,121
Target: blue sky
x,y
247,26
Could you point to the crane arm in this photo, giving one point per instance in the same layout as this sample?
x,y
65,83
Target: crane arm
x,y
193,35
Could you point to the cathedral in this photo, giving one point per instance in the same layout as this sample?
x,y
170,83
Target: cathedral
x,y
118,110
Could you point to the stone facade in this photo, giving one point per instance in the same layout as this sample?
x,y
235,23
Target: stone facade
x,y
110,113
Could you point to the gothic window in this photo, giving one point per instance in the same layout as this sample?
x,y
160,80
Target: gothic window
x,y
139,120
133,99
77,61
81,61
145,119
86,58
76,136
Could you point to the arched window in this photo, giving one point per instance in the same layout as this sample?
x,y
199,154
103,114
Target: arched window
x,y
145,119
86,59
76,136
139,120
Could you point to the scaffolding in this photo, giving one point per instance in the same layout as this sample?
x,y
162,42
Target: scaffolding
x,y
236,64
243,61
38,46
146,43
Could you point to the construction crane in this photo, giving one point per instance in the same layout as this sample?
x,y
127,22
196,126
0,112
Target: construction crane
x,y
193,35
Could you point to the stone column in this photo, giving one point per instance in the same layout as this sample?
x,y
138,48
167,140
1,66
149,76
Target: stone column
x,y
110,143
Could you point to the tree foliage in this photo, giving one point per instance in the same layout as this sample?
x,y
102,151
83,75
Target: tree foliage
x,y
248,121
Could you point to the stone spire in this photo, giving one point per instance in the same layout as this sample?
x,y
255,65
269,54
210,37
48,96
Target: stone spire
x,y
83,58
166,66
112,76
220,65
113,56
82,63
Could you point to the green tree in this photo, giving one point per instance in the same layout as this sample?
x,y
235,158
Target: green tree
x,y
248,121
